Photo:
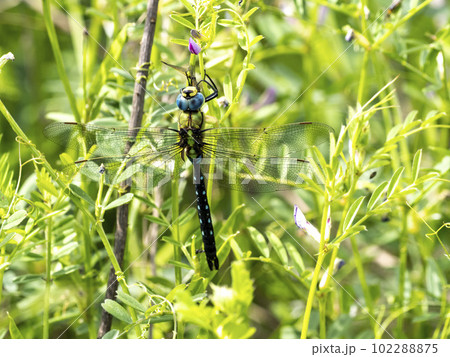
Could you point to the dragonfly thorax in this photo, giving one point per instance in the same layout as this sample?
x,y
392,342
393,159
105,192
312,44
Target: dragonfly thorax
x,y
190,120
191,141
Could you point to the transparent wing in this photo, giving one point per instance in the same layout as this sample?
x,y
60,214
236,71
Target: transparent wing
x,y
261,160
150,160
277,141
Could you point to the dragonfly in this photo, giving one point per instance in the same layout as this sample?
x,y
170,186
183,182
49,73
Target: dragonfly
x,y
245,159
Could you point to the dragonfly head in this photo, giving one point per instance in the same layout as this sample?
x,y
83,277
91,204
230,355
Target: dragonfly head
x,y
190,99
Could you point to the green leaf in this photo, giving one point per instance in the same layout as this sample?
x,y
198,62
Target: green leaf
x,y
351,214
228,87
189,7
110,60
13,329
130,301
65,250
26,278
65,271
159,319
111,335
186,216
170,296
8,237
259,240
278,247
117,311
394,181
256,40
15,219
179,41
77,191
376,195
156,220
434,281
181,20
426,177
249,13
242,285
44,182
120,201
180,264
416,165
410,117
297,260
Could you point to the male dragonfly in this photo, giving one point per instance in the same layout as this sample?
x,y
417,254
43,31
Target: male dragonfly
x,y
244,159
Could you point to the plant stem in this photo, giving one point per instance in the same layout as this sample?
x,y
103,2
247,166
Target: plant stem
x,y
323,317
137,111
37,154
402,270
393,28
48,278
316,274
175,224
58,58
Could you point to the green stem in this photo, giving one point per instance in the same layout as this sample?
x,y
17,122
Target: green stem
x,y
2,270
37,154
402,270
175,225
393,28
363,75
323,317
48,278
316,274
58,58
362,279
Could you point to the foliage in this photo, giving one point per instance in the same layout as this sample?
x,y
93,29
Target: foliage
x,y
381,203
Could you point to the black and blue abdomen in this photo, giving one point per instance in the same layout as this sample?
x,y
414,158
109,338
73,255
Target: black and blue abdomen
x,y
204,215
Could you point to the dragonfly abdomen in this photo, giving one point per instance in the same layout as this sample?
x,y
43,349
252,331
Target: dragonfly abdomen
x,y
204,215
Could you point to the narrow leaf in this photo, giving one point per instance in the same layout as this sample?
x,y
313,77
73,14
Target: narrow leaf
x,y
77,191
297,260
109,61
189,7
278,247
249,13
130,301
8,237
13,329
376,195
157,220
260,242
65,271
181,20
354,208
15,219
117,311
256,40
228,87
111,335
416,165
120,201
394,181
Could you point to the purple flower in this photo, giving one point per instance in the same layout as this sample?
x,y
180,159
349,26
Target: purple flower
x,y
301,222
194,47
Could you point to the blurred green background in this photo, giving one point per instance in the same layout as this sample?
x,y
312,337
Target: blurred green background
x,y
305,70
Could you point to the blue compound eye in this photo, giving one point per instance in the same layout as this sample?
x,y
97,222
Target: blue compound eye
x,y
182,103
196,102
